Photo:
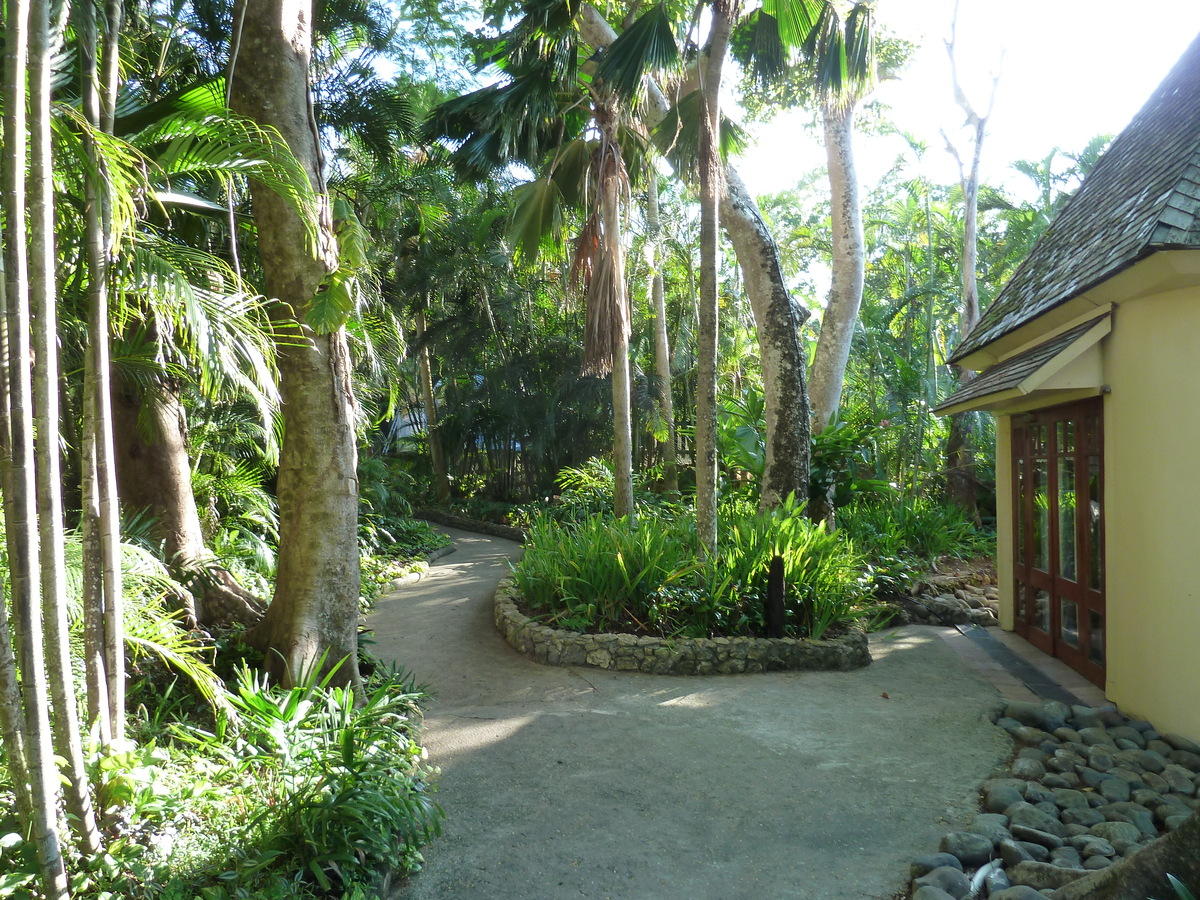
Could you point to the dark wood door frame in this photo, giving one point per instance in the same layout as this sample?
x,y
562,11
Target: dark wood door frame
x,y
1058,533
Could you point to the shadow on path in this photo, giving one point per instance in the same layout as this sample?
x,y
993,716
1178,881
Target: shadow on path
x,y
578,782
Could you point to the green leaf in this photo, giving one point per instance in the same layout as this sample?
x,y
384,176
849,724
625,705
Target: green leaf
x,y
537,217
648,45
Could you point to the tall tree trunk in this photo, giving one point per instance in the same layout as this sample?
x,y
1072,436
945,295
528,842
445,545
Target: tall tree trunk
x,y
778,317
612,186
961,478
662,348
846,290
155,473
314,613
711,171
19,479
437,452
68,744
103,604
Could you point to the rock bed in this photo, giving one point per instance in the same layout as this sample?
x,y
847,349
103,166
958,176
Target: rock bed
x,y
1086,788
952,600
679,656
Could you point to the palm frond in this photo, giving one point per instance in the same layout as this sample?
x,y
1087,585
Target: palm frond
x,y
648,45
537,218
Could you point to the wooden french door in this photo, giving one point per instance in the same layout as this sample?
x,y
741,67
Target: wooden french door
x,y
1058,493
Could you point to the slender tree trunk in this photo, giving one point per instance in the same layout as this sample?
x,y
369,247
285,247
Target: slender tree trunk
x,y
778,317
68,744
711,171
662,348
19,481
846,291
103,602
622,410
314,613
155,473
437,453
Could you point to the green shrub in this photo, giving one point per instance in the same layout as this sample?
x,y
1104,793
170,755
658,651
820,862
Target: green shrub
x,y
921,528
602,574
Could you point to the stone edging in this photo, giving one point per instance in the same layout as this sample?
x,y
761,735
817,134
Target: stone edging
x,y
413,577
660,656
440,517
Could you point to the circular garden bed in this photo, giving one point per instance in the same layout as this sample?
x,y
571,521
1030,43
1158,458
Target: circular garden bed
x,y
672,656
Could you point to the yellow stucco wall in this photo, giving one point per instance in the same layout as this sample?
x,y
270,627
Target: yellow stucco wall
x,y
1152,509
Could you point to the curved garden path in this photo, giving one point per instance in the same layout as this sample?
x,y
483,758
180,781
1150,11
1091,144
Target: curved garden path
x,y
577,782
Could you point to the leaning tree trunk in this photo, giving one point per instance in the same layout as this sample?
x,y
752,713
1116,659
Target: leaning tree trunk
x,y
846,290
662,347
1145,873
778,317
43,291
154,473
313,619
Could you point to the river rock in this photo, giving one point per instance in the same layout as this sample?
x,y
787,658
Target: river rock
x,y
945,878
929,892
1117,831
923,865
1031,817
1018,892
970,848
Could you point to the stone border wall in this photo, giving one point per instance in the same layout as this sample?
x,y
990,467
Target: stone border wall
x,y
661,656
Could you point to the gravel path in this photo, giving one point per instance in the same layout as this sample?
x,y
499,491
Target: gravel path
x,y
576,782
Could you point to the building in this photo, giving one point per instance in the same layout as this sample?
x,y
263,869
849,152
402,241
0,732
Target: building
x,y
1090,360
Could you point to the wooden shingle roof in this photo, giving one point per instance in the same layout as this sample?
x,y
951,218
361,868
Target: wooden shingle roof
x,y
1142,196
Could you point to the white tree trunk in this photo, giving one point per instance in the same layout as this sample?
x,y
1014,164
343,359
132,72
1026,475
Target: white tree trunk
x,y
68,744
846,291
777,316
437,453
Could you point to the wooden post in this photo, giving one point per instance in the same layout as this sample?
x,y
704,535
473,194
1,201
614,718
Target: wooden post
x,y
775,609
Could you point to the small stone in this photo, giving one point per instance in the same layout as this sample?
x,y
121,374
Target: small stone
x,y
1046,716
1091,777
1096,737
929,892
1156,782
1067,857
1116,831
1067,733
1179,780
1098,847
1159,746
1092,863
1033,753
992,826
1151,761
1115,789
1000,795
970,848
1100,759
1134,813
1085,816
1013,852
1185,758
1085,717
1061,780
1034,836
995,881
923,865
1038,794
1042,876
1030,769
1179,742
1027,734
1031,817
1036,852
948,879
1076,830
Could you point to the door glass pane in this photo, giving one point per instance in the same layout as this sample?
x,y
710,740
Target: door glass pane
x,y
1095,550
1066,517
1041,611
1066,437
1096,637
1022,487
1020,598
1068,614
1041,516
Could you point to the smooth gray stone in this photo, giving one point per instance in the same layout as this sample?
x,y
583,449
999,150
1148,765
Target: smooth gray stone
x,y
1127,732
929,892
1114,789
1085,816
1068,799
1037,794
1179,779
923,865
1061,780
1013,852
1031,817
1141,817
1185,758
1117,831
992,826
1030,769
1046,716
1067,857
1018,892
1085,717
1179,742
1150,761
1097,847
948,879
1034,836
1092,863
996,881
972,849
1096,737
1101,759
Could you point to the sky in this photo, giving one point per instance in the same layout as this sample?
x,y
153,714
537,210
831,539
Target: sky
x,y
1068,70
